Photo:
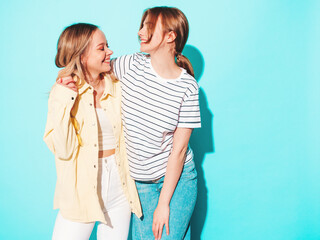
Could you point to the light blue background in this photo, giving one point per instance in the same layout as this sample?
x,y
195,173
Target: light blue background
x,y
258,152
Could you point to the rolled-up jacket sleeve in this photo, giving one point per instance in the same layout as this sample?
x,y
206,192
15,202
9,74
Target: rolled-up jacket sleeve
x,y
60,134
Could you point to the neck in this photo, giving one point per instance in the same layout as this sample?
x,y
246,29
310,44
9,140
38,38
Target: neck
x,y
164,64
95,81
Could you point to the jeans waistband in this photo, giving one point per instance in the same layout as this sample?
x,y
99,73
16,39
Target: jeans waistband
x,y
186,167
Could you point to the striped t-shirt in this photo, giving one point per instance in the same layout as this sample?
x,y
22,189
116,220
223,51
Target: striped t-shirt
x,y
152,108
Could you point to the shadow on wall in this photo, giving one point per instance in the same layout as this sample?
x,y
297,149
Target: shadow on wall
x,y
201,142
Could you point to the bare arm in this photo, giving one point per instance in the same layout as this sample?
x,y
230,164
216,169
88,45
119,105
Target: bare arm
x,y
176,161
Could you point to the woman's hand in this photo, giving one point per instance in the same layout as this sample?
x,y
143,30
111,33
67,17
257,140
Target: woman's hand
x,y
173,172
68,82
160,218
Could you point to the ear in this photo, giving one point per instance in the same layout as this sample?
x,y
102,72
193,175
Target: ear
x,y
83,59
171,36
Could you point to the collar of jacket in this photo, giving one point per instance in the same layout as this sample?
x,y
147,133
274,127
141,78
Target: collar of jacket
x,y
109,87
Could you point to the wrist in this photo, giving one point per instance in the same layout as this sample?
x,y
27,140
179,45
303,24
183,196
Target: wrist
x,y
163,202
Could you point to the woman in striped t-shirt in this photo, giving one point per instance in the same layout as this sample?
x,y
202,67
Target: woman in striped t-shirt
x,y
160,107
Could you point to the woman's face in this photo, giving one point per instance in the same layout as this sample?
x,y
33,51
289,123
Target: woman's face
x,y
97,57
157,37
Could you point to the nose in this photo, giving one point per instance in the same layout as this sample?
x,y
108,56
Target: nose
x,y
109,51
140,33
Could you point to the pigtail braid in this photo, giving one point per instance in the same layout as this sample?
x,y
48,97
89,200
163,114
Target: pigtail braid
x,y
184,62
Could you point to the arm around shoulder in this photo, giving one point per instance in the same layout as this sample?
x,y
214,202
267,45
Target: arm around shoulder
x,y
122,64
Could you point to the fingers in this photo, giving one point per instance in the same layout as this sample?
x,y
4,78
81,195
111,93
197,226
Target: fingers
x,y
157,230
72,85
74,88
66,79
68,82
160,218
167,226
160,231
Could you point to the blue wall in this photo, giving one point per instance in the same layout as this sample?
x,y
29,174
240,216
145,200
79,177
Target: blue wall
x,y
258,153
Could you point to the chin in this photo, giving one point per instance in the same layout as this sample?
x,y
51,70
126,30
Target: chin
x,y
143,48
107,67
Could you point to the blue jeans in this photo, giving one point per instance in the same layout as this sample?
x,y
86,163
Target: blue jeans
x,y
181,206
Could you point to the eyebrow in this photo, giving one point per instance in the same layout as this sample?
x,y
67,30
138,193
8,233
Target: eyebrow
x,y
102,44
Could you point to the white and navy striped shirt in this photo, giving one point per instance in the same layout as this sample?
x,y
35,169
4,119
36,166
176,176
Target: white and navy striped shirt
x,y
152,108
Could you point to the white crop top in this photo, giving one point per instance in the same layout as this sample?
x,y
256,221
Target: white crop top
x,y
105,133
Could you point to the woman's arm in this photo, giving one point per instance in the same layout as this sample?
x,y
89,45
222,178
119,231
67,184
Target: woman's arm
x,y
121,65
176,161
60,134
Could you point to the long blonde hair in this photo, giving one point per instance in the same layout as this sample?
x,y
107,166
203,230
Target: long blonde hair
x,y
174,20
72,44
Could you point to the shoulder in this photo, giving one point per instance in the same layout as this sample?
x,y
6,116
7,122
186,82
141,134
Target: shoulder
x,y
139,59
124,63
58,89
109,77
189,82
61,94
140,56
135,56
111,81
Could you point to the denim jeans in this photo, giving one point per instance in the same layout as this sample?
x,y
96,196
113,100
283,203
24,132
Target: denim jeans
x,y
181,206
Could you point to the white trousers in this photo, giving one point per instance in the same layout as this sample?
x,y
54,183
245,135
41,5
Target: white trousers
x,y
114,205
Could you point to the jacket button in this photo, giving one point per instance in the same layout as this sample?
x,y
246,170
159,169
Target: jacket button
x,y
72,98
95,145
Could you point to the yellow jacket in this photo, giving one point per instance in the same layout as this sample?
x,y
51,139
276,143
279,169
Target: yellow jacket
x,y
72,135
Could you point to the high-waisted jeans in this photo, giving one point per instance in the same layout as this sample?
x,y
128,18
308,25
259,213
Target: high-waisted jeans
x,y
181,206
114,204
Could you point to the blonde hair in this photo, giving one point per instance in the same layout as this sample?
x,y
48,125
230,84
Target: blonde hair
x,y
174,20
72,44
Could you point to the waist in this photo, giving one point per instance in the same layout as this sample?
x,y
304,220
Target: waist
x,y
106,153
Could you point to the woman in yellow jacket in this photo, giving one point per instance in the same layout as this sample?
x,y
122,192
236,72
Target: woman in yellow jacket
x,y
84,132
